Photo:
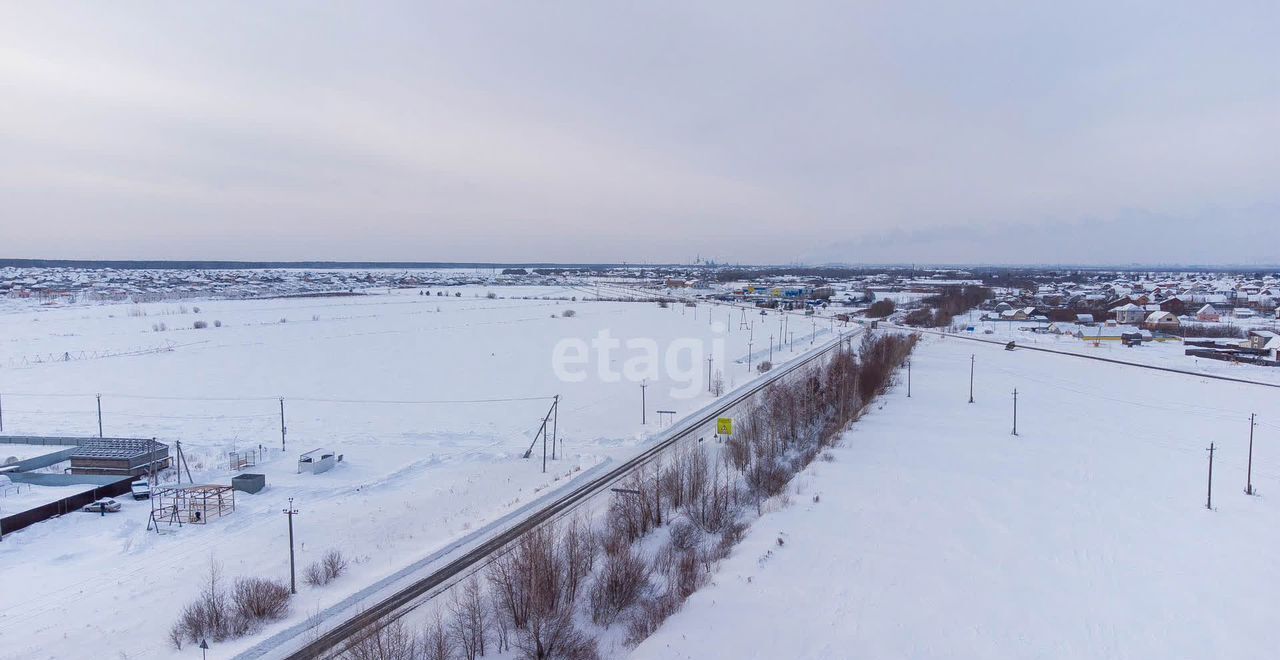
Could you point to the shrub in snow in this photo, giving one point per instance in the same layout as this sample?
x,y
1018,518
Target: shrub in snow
x,y
684,536
621,581
764,366
196,310
313,575
491,295
335,564
329,568
209,617
649,615
199,325
258,599
568,313
217,324
555,636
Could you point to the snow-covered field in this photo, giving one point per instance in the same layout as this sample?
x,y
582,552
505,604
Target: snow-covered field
x,y
20,452
15,498
1169,354
935,533
430,399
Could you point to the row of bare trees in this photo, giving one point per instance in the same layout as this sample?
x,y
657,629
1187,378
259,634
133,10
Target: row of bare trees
x,y
555,591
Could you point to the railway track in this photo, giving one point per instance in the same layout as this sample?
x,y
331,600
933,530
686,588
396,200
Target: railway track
x,y
328,643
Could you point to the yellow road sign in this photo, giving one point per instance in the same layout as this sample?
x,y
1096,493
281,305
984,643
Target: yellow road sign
x,y
724,426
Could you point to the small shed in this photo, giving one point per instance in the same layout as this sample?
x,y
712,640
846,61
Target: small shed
x,y
249,482
317,461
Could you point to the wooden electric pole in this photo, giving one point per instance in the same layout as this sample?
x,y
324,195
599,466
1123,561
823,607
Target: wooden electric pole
x,y
293,577
1208,503
971,361
282,427
99,415
1248,483
908,378
643,418
555,424
1015,411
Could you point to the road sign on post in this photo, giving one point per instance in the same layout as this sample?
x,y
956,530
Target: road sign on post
x,y
724,426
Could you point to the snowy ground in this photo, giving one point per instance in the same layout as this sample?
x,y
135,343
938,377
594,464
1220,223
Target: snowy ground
x,y
376,378
935,533
17,497
1169,354
20,452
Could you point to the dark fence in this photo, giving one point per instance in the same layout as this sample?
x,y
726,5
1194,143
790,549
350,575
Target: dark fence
x,y
1239,355
70,504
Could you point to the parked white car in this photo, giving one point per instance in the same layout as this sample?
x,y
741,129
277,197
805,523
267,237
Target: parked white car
x,y
105,504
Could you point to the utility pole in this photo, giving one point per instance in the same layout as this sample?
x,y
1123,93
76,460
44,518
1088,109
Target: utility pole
x,y
709,358
1208,503
282,427
1,415
908,378
748,357
1015,411
555,424
643,418
770,349
1248,484
99,415
293,580
971,360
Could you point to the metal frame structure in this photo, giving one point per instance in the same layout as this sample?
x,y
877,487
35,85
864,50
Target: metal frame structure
x,y
192,504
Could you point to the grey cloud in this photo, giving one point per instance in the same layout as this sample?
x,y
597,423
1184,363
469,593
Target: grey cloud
x,y
592,131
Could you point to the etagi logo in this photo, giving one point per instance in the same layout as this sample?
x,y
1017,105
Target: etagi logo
x,y
683,362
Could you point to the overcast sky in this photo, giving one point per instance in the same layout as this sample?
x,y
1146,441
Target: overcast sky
x,y
1068,132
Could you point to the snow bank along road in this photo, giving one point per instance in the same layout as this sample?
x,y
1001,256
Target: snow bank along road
x,y
323,640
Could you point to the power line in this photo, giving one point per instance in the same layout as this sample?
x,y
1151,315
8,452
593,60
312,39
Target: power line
x,y
148,397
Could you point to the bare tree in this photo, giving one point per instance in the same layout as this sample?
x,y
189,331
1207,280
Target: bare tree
x,y
434,643
578,547
468,618
554,637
